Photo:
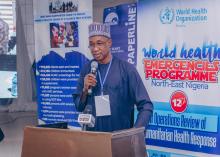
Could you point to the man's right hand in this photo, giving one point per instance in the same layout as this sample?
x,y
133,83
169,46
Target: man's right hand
x,y
89,81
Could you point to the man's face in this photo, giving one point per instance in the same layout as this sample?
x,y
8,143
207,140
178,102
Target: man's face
x,y
62,28
55,31
100,48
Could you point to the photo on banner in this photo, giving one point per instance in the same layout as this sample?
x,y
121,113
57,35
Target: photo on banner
x,y
8,74
64,34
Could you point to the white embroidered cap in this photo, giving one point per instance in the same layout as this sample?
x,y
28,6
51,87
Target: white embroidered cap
x,y
99,29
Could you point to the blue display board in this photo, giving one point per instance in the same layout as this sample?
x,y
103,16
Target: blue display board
x,y
123,21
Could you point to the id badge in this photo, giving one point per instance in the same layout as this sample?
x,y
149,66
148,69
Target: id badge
x,y
102,105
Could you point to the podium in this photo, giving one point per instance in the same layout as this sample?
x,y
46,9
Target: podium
x,y
47,142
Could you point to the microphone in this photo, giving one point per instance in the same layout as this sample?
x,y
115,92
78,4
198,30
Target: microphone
x,y
86,119
94,67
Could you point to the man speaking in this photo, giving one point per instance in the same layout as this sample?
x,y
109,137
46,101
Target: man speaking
x,y
113,89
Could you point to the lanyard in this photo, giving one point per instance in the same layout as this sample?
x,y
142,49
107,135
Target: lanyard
x,y
100,79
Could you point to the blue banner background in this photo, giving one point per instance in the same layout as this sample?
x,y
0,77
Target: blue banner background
x,y
123,20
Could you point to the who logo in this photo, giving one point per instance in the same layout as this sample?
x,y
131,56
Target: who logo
x,y
166,15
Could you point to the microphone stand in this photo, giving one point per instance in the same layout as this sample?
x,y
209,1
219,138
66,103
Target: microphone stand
x,y
89,96
84,127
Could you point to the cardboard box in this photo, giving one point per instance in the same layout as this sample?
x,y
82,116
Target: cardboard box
x,y
47,142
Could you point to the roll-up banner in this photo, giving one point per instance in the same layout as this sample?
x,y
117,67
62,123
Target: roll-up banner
x,y
123,21
61,45
178,59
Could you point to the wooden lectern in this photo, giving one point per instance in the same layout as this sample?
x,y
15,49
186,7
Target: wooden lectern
x,y
47,142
